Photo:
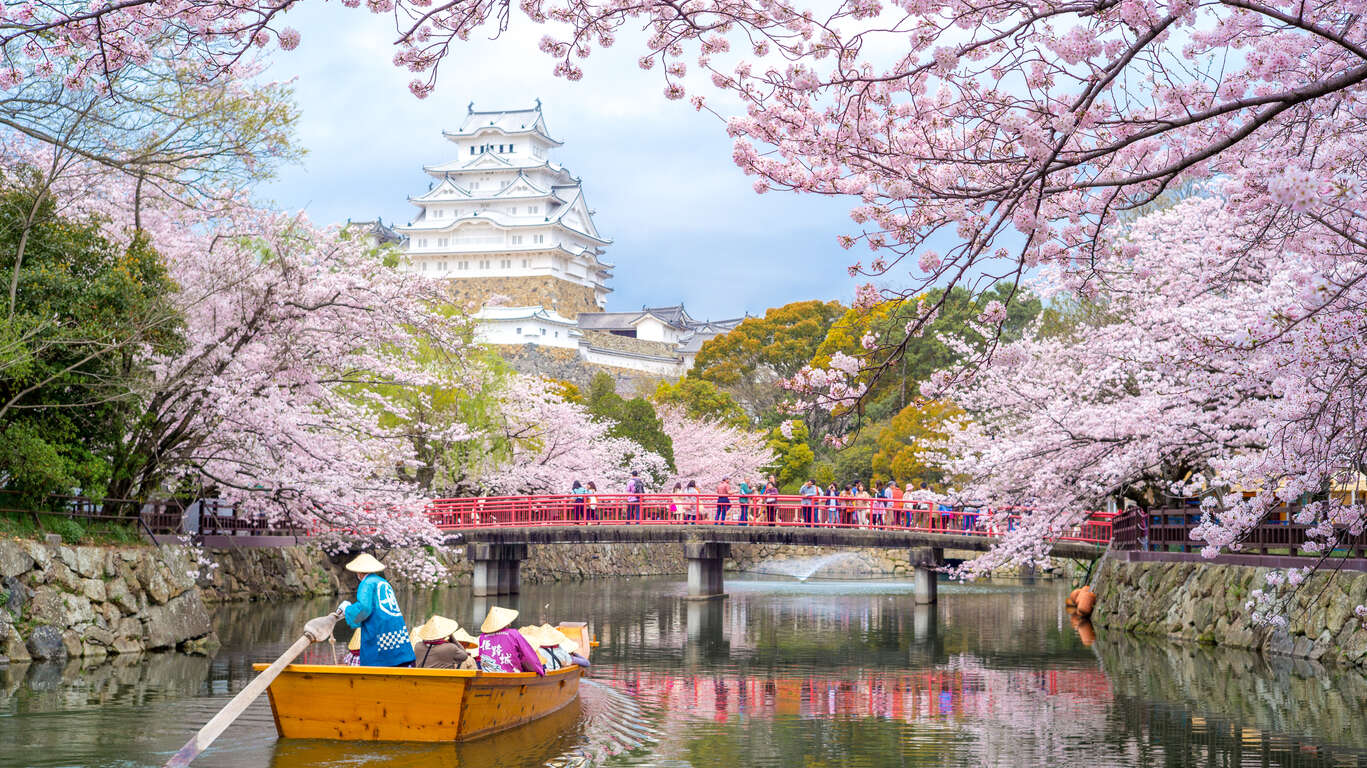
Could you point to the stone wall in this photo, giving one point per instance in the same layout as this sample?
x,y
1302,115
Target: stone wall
x,y
62,602
630,344
1204,603
566,298
566,365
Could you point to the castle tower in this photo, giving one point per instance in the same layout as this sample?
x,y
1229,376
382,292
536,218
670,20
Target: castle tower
x,y
503,219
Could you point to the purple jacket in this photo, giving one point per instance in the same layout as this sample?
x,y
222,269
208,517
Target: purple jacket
x,y
508,651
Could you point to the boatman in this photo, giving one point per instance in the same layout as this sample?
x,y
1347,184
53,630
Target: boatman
x,y
384,634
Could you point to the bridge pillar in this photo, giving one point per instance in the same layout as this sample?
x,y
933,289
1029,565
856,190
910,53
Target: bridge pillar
x,y
706,560
497,568
924,560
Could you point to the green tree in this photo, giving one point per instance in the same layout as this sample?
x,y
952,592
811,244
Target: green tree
x,y
83,311
793,456
750,360
906,445
633,419
701,399
898,385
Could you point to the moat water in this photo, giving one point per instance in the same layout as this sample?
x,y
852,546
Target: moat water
x,y
782,673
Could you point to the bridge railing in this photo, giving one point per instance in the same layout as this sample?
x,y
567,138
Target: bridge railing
x,y
753,510
1170,530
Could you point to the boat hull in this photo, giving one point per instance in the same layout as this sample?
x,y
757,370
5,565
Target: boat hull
x,y
400,704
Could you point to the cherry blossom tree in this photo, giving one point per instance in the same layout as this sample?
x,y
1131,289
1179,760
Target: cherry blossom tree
x,y
552,442
303,352
1250,396
707,450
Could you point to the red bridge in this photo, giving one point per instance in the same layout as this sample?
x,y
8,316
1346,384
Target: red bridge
x,y
497,530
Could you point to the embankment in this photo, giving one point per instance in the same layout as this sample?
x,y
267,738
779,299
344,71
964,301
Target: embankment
x,y
1204,603
59,602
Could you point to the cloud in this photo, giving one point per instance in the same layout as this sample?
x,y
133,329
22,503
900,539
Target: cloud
x,y
685,221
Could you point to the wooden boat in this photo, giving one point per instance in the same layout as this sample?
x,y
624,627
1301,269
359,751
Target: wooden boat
x,y
328,701
536,743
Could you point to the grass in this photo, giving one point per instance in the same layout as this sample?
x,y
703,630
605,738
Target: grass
x,y
22,525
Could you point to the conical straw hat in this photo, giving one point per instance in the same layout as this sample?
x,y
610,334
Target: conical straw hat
x,y
498,618
532,633
556,637
354,644
437,628
461,636
365,563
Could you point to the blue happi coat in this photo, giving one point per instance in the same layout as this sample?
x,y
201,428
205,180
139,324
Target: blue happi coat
x,y
384,635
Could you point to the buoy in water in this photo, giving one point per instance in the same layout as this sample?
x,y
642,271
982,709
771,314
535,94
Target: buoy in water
x,y
1072,598
1086,601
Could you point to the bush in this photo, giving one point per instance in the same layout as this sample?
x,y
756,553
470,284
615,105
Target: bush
x,y
71,531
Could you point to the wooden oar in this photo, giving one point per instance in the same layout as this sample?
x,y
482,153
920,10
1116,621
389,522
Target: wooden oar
x,y
315,631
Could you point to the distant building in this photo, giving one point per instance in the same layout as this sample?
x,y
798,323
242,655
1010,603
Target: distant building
x,y
512,232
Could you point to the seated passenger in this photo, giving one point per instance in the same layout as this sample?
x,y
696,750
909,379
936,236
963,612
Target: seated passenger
x,y
532,634
561,648
353,650
436,649
504,649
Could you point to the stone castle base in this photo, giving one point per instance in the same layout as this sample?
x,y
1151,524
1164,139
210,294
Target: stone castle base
x,y
567,299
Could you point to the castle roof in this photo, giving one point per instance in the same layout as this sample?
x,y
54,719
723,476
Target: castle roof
x,y
538,312
675,316
506,121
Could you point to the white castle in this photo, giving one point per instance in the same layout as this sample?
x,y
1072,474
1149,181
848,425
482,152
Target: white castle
x,y
512,232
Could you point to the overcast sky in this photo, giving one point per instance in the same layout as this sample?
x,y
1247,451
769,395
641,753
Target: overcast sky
x,y
685,222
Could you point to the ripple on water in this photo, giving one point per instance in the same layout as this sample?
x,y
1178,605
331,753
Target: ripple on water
x,y
783,674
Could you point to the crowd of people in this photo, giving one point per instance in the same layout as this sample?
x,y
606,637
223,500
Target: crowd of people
x,y
760,502
382,638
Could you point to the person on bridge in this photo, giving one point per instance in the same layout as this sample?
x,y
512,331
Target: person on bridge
x,y
577,509
809,492
504,649
692,507
745,495
723,500
634,490
384,634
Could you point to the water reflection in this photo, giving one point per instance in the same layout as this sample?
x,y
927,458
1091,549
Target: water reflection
x,y
780,674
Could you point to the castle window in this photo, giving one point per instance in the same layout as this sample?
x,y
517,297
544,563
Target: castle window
x,y
524,264
422,266
506,264
519,331
422,242
510,148
442,242
464,265
534,209
538,238
515,239
441,265
543,331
